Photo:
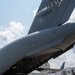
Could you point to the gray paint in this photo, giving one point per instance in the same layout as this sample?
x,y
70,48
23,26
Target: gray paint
x,y
48,36
58,16
21,48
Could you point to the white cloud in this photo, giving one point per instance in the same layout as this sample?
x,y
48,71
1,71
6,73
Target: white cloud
x,y
72,17
12,32
16,27
68,57
6,35
34,12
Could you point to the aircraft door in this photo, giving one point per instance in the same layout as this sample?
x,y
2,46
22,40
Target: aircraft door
x,y
73,72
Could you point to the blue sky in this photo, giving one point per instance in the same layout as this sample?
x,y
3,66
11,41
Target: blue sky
x,y
17,10
16,17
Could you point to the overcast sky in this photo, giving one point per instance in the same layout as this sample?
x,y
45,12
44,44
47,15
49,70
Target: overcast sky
x,y
16,17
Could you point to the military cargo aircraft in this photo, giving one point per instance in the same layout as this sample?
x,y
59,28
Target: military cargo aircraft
x,y
49,37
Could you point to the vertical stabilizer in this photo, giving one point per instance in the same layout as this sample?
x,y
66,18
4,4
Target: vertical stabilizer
x,y
63,65
52,13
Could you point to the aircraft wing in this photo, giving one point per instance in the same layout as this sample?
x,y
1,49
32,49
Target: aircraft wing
x,y
51,70
29,64
52,13
48,69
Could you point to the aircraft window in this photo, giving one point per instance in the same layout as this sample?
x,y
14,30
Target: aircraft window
x,y
68,71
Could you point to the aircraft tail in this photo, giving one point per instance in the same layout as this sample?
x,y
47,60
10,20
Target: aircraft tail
x,y
63,65
52,13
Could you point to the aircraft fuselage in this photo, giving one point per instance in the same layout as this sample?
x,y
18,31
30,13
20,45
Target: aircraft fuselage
x,y
34,43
